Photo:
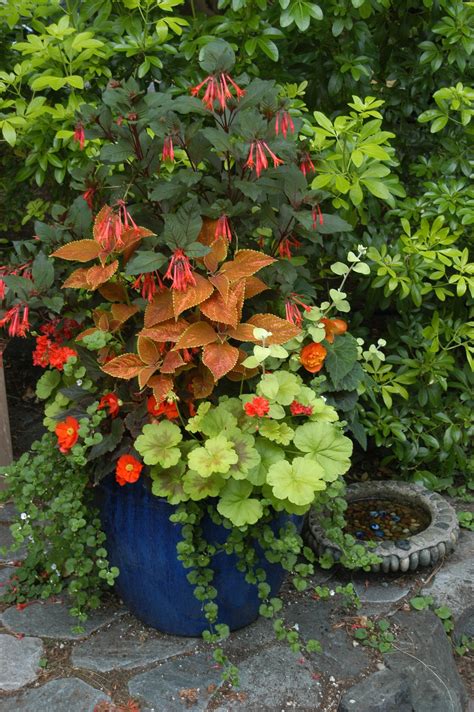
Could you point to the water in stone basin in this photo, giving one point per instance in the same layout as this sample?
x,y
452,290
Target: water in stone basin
x,y
384,519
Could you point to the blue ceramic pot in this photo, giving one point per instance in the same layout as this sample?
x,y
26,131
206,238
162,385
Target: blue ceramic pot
x,y
142,541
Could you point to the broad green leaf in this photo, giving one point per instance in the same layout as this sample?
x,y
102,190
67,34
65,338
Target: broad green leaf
x,y
269,454
341,357
236,504
169,483
145,261
297,480
280,433
327,446
157,444
248,456
217,455
47,383
197,487
194,423
282,387
218,420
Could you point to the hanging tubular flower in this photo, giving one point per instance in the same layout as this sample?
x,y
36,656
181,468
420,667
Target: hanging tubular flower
x,y
88,196
312,357
258,407
283,122
128,469
217,89
17,326
300,409
3,288
223,228
111,225
286,245
168,150
292,309
110,402
317,216
334,327
306,164
79,135
148,284
179,271
67,433
260,162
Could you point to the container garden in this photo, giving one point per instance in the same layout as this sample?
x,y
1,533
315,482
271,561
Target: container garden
x,y
153,584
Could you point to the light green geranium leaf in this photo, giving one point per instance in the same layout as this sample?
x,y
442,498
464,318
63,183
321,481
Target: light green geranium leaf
x,y
269,453
276,411
47,383
327,446
249,457
157,444
194,423
282,387
198,487
236,505
284,505
321,410
169,483
296,481
217,455
218,421
280,433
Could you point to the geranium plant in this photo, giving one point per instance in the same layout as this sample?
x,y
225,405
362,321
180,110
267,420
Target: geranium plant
x,y
193,364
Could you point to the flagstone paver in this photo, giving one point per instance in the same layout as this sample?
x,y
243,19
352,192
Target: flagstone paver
x,y
51,619
5,573
19,660
453,584
61,695
160,688
273,680
385,592
125,645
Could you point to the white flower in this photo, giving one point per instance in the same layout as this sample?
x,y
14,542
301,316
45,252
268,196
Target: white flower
x,y
23,515
79,382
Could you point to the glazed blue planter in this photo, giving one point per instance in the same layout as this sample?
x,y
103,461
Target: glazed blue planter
x,y
141,542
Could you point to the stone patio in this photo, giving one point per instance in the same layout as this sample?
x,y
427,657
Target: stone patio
x,y
45,667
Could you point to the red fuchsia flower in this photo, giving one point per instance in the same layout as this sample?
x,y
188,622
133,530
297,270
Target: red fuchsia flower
x,y
128,469
286,245
110,402
167,408
258,407
148,285
257,149
112,225
168,150
292,309
3,288
317,216
79,135
88,196
300,409
223,228
217,89
67,432
180,272
283,122
17,326
306,164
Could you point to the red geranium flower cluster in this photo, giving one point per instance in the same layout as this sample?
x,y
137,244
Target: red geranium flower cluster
x,y
258,407
49,353
300,409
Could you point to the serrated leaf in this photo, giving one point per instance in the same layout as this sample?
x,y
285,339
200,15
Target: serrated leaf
x,y
280,433
126,366
157,444
341,357
169,483
326,444
216,455
78,251
297,481
237,505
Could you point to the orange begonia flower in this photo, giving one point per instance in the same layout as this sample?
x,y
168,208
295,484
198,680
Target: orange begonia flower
x,y
67,433
312,357
128,469
334,327
111,403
